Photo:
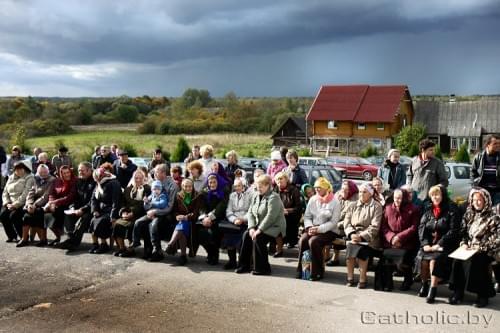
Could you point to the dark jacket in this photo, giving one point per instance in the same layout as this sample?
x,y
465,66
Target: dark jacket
x,y
402,223
84,190
192,211
100,160
109,201
421,177
297,176
444,230
290,198
230,169
132,204
215,208
124,174
399,177
477,169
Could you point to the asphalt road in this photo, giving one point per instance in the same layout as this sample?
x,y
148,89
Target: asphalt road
x,y
45,290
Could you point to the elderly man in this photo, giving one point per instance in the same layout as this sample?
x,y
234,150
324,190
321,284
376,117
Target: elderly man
x,y
104,157
62,158
77,223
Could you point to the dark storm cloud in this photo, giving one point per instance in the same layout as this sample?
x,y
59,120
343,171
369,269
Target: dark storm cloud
x,y
164,32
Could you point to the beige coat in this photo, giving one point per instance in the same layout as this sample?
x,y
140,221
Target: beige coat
x,y
17,188
364,220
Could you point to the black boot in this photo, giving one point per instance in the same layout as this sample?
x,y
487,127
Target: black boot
x,y
480,302
456,298
231,264
407,282
424,290
388,280
432,295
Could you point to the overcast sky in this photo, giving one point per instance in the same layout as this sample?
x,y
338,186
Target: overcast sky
x,y
254,48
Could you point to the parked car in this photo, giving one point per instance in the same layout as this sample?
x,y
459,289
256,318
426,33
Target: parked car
x,y
330,173
140,161
459,180
356,167
319,161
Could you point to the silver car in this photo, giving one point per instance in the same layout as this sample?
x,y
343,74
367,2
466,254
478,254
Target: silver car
x,y
459,180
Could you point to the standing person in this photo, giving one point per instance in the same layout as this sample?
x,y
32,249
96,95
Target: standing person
x,y
214,211
480,231
426,171
96,154
157,160
186,210
195,169
104,157
62,195
290,197
266,220
439,236
177,175
3,161
207,154
37,198
232,164
34,158
485,170
62,158
114,151
296,174
132,209
276,165
15,157
392,172
14,197
320,223
283,152
106,203
362,226
78,223
123,168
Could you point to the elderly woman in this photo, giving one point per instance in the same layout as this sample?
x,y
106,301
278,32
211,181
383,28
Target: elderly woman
x,y
480,231
43,158
14,197
266,220
439,236
296,174
290,196
399,239
276,165
214,210
361,226
232,164
392,173
195,169
348,193
106,203
207,158
186,210
218,169
236,211
320,222
62,195
132,209
38,196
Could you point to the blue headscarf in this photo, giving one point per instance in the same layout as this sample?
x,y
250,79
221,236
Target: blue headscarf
x,y
219,191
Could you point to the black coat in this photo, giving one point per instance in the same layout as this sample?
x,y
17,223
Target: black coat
x,y
444,230
124,174
84,190
110,201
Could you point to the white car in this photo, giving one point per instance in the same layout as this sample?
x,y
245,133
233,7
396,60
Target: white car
x,y
459,180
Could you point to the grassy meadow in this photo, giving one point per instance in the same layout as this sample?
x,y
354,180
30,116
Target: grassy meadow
x,y
81,144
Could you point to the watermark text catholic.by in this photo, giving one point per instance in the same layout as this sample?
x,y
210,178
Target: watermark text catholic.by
x,y
434,318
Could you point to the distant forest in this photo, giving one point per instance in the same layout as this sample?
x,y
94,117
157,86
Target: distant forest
x,y
194,112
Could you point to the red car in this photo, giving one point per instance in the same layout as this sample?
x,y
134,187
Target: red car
x,y
356,167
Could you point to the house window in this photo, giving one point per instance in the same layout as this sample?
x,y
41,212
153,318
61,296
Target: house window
x,y
361,126
380,126
332,124
454,143
474,143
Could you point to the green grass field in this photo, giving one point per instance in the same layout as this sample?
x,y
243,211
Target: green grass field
x,y
81,144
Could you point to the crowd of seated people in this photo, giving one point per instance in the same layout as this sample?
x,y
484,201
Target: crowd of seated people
x,y
406,221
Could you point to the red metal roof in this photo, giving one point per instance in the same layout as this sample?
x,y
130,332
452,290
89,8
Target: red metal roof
x,y
359,103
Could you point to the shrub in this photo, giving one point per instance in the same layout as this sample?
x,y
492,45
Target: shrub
x,y
181,150
19,139
304,152
462,155
132,152
368,151
408,137
437,152
250,153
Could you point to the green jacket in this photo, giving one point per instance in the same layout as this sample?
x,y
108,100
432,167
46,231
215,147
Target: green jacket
x,y
267,214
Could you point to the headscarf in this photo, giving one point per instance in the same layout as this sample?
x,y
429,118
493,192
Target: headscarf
x,y
219,191
101,175
324,184
353,189
222,173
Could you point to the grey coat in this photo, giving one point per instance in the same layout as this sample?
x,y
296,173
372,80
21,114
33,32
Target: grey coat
x,y
421,177
39,192
267,214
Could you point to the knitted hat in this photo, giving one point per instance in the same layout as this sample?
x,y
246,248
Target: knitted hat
x,y
275,155
392,151
157,184
323,183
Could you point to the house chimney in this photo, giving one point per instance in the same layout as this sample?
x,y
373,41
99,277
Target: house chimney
x,y
452,98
